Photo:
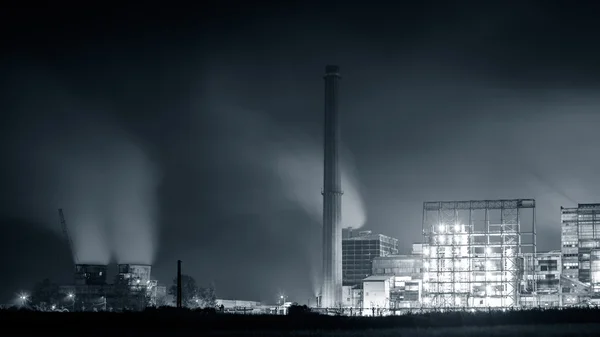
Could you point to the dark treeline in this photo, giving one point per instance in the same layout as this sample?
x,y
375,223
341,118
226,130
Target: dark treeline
x,y
169,320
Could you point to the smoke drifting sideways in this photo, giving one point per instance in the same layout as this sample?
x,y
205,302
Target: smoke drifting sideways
x,y
299,165
80,160
295,159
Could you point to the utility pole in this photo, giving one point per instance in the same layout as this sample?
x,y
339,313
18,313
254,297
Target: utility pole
x,y
179,284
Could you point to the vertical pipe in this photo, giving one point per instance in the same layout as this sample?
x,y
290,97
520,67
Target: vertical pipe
x,y
179,304
332,195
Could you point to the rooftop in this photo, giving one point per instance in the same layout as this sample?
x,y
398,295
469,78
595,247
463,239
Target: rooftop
x,y
398,257
377,278
369,236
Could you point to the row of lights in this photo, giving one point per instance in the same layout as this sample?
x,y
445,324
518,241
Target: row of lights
x,y
458,228
488,250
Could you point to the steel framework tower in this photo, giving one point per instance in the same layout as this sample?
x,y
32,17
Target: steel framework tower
x,y
472,252
332,195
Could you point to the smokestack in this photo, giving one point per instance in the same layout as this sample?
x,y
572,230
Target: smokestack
x,y
179,284
332,195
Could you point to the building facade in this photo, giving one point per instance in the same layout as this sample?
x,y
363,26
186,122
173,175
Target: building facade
x,y
472,249
358,253
406,285
546,280
580,240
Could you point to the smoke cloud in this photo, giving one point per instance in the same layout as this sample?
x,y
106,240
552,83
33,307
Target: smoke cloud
x,y
300,168
294,159
87,164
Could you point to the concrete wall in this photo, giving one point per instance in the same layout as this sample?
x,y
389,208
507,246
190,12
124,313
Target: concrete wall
x,y
376,294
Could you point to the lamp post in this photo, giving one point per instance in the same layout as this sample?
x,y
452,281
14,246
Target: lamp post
x,y
23,299
71,297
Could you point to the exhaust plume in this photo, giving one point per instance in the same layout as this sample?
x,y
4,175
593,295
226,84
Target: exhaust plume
x,y
294,158
80,160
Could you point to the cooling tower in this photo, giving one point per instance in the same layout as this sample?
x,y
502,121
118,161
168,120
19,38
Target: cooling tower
x,y
332,195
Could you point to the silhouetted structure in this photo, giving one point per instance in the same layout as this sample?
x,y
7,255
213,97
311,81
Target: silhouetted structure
x,y
179,297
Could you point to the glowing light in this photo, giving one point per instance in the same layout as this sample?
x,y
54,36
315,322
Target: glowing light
x,y
426,251
425,265
442,238
70,295
442,228
488,250
457,228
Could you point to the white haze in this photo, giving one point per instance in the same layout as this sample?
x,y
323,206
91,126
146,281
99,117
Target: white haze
x,y
293,158
83,162
300,168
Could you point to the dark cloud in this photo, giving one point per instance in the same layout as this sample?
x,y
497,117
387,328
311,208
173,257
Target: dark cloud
x,y
219,112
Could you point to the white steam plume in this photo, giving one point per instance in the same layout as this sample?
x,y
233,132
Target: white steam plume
x,y
300,168
108,193
295,159
86,164
134,207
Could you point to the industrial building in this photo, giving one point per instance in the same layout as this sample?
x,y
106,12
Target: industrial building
x,y
580,247
475,254
358,253
547,278
406,277
580,237
131,289
472,249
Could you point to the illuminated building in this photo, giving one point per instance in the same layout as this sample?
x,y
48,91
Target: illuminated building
x,y
358,253
547,278
580,241
376,294
352,296
406,271
471,252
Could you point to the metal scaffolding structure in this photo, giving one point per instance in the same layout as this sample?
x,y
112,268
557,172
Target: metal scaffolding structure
x,y
472,252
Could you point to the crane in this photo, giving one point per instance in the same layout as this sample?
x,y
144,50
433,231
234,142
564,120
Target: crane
x,y
63,224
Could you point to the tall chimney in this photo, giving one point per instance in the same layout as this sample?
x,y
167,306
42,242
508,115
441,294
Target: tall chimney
x,y
179,284
332,195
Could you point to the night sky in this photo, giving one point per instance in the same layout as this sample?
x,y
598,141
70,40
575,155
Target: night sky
x,y
196,133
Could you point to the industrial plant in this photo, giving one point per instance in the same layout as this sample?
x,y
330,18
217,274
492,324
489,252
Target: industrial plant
x,y
132,289
474,254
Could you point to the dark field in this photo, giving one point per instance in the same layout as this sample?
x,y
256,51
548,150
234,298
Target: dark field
x,y
170,322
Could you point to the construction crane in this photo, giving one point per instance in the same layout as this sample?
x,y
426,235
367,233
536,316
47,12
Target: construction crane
x,y
63,225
